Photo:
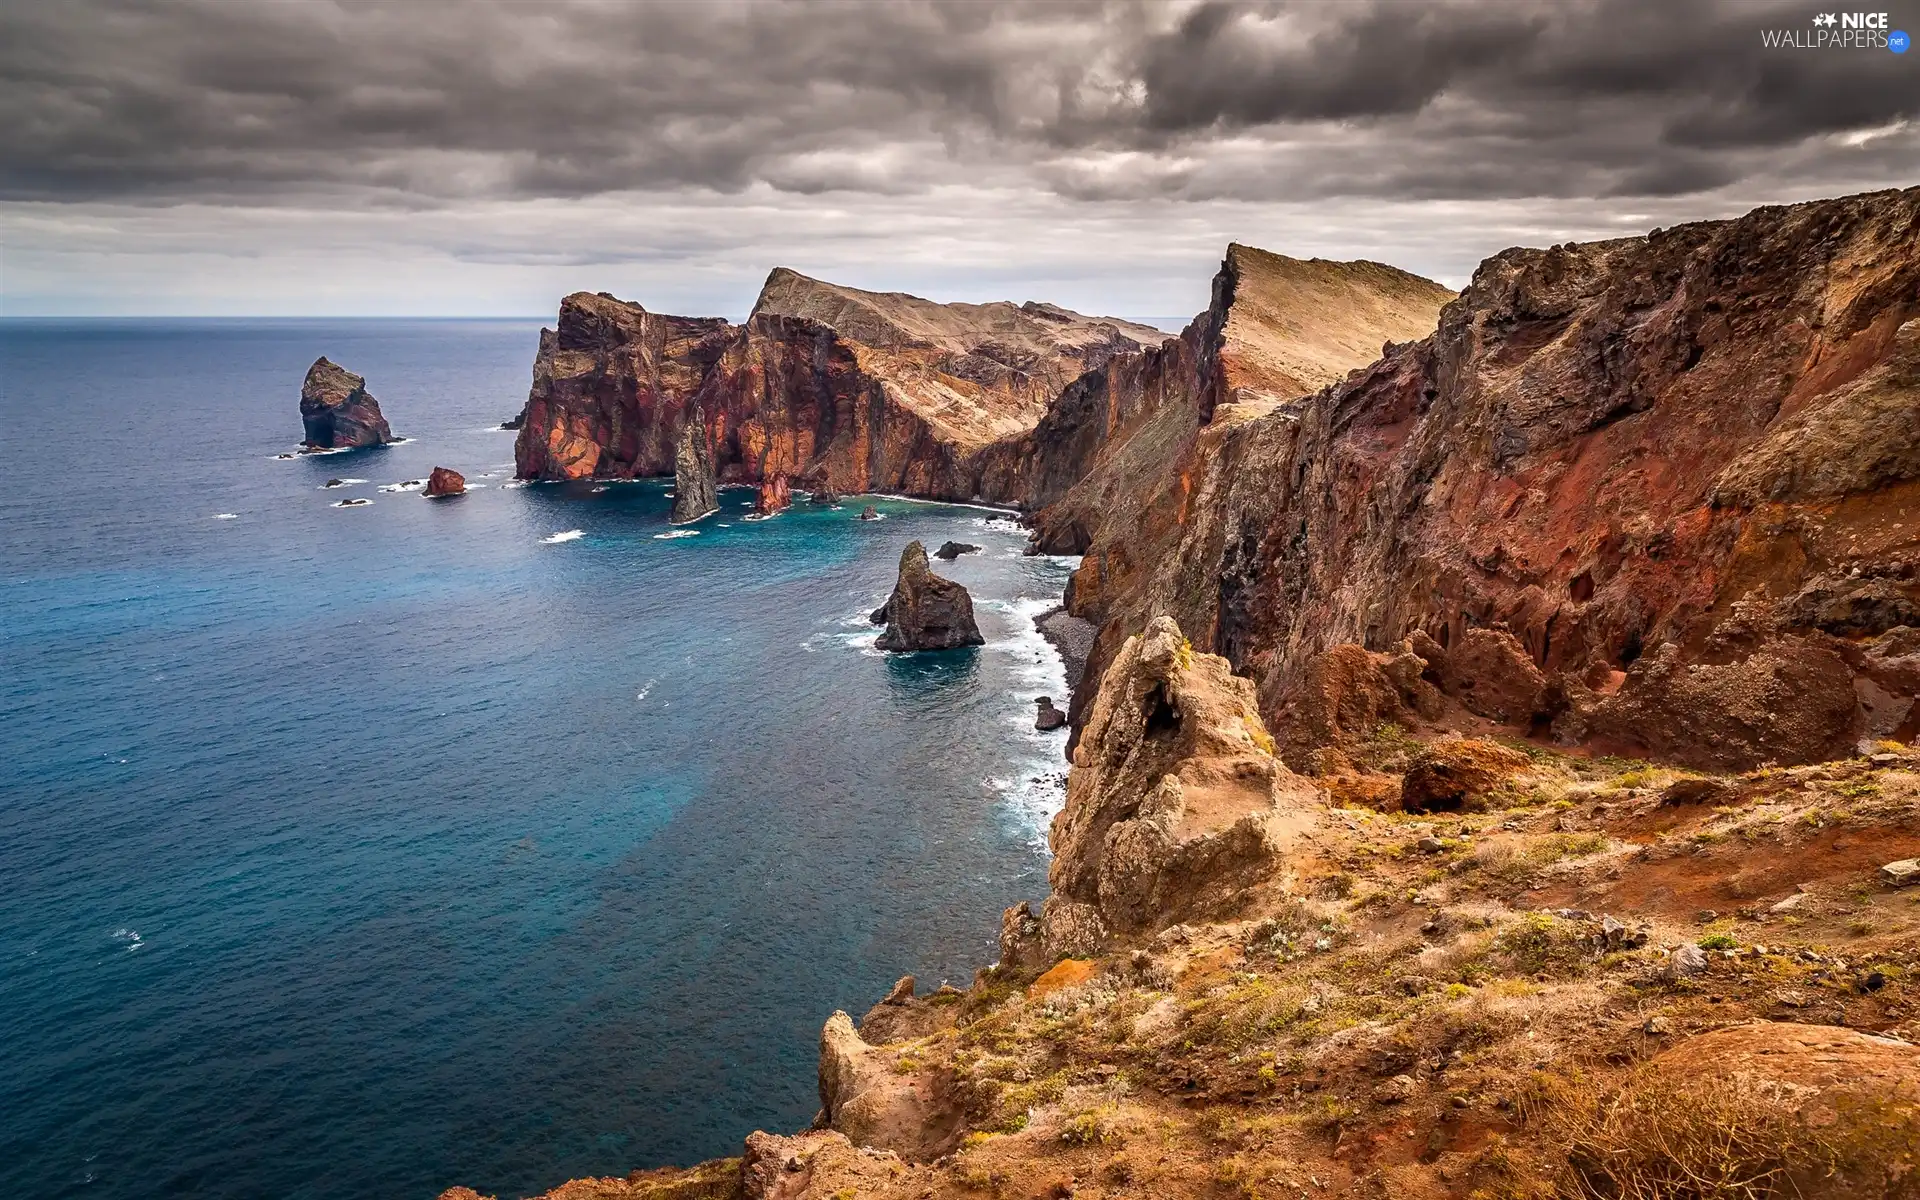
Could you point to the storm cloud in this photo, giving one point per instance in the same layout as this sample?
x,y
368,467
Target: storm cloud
x,y
1027,120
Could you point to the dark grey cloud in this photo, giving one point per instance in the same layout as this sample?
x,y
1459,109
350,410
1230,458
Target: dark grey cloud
x,y
418,103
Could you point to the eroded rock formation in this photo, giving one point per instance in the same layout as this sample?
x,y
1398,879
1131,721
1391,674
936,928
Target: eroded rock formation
x,y
1176,806
772,496
695,493
337,411
925,612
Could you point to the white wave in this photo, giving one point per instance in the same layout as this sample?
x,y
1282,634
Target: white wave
x,y
515,483
571,535
596,491
283,457
356,502
645,688
400,441
409,485
1030,796
340,483
675,533
226,516
323,452
760,516
723,525
130,936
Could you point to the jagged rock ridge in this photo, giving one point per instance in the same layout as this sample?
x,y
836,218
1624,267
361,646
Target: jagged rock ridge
x,y
694,492
1654,493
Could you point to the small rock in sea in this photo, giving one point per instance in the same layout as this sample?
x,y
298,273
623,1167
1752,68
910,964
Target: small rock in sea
x,y
332,483
445,481
869,513
823,496
515,421
1048,717
953,550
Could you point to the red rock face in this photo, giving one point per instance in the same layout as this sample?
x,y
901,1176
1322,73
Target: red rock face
x,y
445,482
848,391
1659,494
772,496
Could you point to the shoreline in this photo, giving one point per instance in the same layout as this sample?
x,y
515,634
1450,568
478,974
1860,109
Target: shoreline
x,y
1072,638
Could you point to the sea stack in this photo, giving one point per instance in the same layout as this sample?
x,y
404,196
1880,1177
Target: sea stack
x,y
775,494
952,550
337,410
925,611
445,481
694,494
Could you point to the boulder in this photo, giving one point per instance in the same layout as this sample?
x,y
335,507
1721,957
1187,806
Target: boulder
x,y
823,496
337,410
515,421
445,481
952,550
869,513
695,493
1453,774
772,496
925,611
1048,717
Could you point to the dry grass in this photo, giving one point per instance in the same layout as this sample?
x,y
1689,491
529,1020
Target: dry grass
x,y
1721,1138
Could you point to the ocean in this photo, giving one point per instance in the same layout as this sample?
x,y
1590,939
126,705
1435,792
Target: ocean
x,y
497,840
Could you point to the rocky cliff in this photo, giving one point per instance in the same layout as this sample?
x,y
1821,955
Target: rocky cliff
x,y
839,389
1655,494
337,411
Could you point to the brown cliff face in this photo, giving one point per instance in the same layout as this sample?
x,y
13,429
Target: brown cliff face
x,y
1657,493
337,411
850,391
772,496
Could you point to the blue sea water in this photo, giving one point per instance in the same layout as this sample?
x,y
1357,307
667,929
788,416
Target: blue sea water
x,y
365,851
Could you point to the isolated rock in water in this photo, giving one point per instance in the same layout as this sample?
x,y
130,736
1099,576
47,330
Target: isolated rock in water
x,y
1176,806
338,412
774,495
694,492
515,421
1048,717
869,513
925,611
823,496
445,481
952,550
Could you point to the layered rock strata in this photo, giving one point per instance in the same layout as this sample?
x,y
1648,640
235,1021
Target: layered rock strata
x,y
336,410
925,611
695,493
1654,494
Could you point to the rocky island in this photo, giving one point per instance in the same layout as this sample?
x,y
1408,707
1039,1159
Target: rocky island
x,y
925,612
337,412
1494,772
445,481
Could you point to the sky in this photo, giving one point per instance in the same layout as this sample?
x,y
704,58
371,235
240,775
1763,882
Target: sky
x,y
426,157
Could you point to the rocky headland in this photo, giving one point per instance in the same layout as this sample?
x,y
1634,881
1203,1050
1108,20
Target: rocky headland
x,y
1494,773
695,492
925,611
849,391
337,412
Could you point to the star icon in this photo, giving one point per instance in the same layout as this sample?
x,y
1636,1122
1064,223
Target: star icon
x,y
1826,19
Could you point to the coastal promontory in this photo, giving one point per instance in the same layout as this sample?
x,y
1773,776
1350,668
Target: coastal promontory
x,y
925,611
338,411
